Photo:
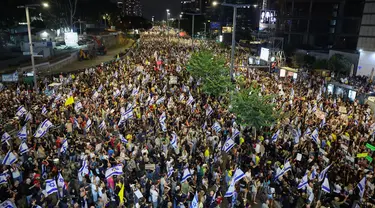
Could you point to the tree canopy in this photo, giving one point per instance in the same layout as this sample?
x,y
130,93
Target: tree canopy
x,y
339,64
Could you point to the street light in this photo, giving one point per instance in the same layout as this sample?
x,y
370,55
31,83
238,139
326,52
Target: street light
x,y
32,6
235,7
179,25
215,3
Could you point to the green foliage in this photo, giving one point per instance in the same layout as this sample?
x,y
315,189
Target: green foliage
x,y
212,70
320,64
309,60
298,60
252,109
339,64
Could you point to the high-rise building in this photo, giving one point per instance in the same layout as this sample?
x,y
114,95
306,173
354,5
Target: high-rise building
x,y
132,8
321,24
193,6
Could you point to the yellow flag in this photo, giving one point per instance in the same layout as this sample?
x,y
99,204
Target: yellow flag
x,y
121,194
360,155
69,101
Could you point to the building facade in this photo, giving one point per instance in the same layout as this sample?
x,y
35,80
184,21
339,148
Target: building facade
x,y
322,24
132,8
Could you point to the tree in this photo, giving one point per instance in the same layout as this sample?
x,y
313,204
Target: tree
x,y
298,60
309,60
253,110
320,64
213,72
339,64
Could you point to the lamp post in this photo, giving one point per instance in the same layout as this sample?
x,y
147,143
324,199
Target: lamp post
x,y
205,26
167,17
235,7
179,20
32,6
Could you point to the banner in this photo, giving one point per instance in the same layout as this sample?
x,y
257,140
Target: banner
x,y
361,155
371,147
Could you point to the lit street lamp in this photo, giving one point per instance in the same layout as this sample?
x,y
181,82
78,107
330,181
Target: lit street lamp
x,y
32,6
235,7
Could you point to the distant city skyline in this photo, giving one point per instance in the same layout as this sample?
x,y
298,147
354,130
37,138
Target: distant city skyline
x,y
157,8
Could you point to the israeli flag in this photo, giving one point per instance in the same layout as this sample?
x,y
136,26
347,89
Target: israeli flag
x,y
194,203
361,186
116,93
78,106
28,117
186,175
238,175
100,88
22,134
5,137
3,178
296,136
229,143
190,100
230,190
356,122
7,204
209,111
182,97
88,124
135,91
315,136
75,123
160,100
303,182
285,169
313,174
60,181
95,95
170,172
114,171
9,158
325,186
323,123
235,133
204,125
84,170
279,173
23,148
292,92
44,110
64,146
275,136
58,97
216,127
323,173
102,126
162,117
174,140
51,186
21,111
308,131
43,128
314,108
128,113
122,139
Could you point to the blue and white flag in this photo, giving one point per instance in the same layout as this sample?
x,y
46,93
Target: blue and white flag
x,y
186,175
325,186
303,182
123,139
209,111
128,113
22,134
23,148
314,108
308,131
8,204
84,170
5,137
182,97
229,143
230,190
190,100
102,126
216,127
100,88
281,172
296,135
235,133
170,172
95,95
323,173
135,91
88,124
204,125
9,158
58,97
160,100
43,128
116,93
238,175
162,119
64,146
323,123
315,136
292,92
51,186
356,122
28,117
194,203
75,123
174,140
114,171
78,106
60,181
44,110
313,174
361,186
3,179
275,136
21,111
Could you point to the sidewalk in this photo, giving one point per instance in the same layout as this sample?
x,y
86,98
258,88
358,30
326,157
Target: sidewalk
x,y
111,53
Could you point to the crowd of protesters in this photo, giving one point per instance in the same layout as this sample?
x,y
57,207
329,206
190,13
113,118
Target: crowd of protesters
x,y
138,132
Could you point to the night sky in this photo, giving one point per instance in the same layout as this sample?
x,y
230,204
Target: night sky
x,y
158,8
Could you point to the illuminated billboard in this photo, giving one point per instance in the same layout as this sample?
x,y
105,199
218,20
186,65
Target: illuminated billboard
x,y
226,30
267,19
264,54
215,25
